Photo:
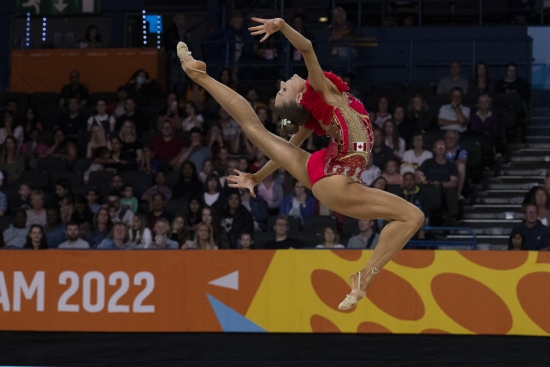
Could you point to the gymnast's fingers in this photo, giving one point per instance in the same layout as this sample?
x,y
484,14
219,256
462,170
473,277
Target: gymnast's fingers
x,y
257,33
237,171
259,20
256,28
252,193
265,37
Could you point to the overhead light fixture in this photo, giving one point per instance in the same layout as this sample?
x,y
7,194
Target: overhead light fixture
x,y
323,19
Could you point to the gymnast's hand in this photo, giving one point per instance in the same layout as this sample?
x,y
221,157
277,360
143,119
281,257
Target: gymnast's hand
x,y
269,26
243,181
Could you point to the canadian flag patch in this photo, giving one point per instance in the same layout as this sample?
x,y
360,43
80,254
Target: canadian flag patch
x,y
360,146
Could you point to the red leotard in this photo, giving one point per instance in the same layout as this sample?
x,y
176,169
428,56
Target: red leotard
x,y
345,125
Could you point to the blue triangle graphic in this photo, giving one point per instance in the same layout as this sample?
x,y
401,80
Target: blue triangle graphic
x,y
231,320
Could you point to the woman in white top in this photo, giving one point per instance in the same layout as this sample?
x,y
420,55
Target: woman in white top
x,y
102,118
393,140
382,112
193,119
140,234
204,238
330,239
9,127
97,140
418,154
207,168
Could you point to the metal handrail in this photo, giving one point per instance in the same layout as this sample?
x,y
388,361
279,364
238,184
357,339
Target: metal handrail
x,y
432,243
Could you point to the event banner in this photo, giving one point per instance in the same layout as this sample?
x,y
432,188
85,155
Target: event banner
x,y
420,291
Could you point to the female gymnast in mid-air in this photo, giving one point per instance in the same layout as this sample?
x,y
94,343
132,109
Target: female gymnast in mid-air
x,y
319,103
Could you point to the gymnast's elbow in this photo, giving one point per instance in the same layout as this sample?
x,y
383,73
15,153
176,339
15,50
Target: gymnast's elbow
x,y
306,48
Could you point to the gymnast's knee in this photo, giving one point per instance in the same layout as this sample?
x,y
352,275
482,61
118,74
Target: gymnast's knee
x,y
416,218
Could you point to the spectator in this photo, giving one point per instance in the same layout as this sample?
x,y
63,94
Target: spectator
x,y
160,186
101,226
547,181
207,169
196,93
158,210
457,155
73,240
453,81
175,32
213,195
82,213
54,229
405,126
11,163
330,239
226,78
257,206
265,119
204,239
211,218
516,241
482,83
128,200
37,213
524,11
484,120
541,199
236,219
140,236
298,25
62,147
281,236
92,195
246,241
167,146
380,153
254,100
11,127
454,116
382,113
149,163
414,193
92,39
3,203
196,152
33,148
102,161
194,119
298,204
118,238
179,232
120,160
393,140
31,121
340,34
419,113
66,208
117,108
161,240
62,189
73,121
536,235
439,171
172,112
121,214
281,176
193,215
370,173
74,90
102,118
272,192
380,184
367,238
239,41
417,155
15,235
512,83
230,129
188,185
97,140
221,163
142,88
260,160
12,105
36,239
131,113
391,173
117,182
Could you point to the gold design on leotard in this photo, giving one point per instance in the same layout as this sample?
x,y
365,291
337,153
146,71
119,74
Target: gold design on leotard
x,y
357,129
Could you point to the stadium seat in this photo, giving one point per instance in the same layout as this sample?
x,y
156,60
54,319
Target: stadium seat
x,y
423,88
107,96
350,227
431,137
38,179
307,239
177,206
474,152
389,89
260,238
5,221
141,181
172,178
74,178
44,102
82,164
50,164
101,180
316,224
293,223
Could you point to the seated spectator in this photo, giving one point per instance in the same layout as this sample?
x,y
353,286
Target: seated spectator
x,y
453,81
417,155
380,184
188,185
211,218
116,108
419,113
367,238
36,239
414,193
54,229
257,207
139,235
73,121
516,241
196,93
204,239
405,126
117,183
213,195
253,98
341,33
102,161
12,105
259,161
439,171
161,239
457,155
298,204
66,208
3,203
118,238
226,78
31,121
167,146
236,219
122,160
246,241
264,117
158,210
207,169
229,169
101,226
102,118
131,113
37,213
149,163
482,83
281,176
370,173
179,231
196,152
132,148
193,215
82,213
230,130
536,235
121,214
92,196
512,83
33,148
172,112
454,116
15,235
11,163
330,239
128,200
221,162
382,113
541,199
380,153
74,90
272,192
62,189
92,39
524,11
73,239
281,236
61,148
391,173
97,140
393,140
11,127
193,118
484,120
142,87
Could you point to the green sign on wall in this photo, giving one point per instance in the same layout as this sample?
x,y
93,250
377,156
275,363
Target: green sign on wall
x,y
58,7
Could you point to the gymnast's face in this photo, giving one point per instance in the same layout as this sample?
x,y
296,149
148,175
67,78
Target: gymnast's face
x,y
290,91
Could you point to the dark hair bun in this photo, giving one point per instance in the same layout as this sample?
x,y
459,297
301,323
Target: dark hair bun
x,y
291,128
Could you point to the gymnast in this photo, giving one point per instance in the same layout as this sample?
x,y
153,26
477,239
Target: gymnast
x,y
319,103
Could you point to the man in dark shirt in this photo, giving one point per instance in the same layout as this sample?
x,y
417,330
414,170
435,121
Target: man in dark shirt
x,y
74,90
414,194
72,122
537,235
512,83
381,153
132,114
159,210
167,146
281,241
